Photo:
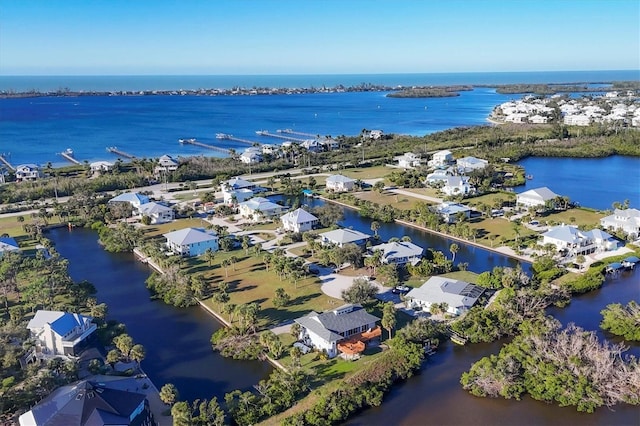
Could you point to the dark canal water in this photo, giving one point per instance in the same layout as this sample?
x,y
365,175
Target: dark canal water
x,y
176,340
592,182
178,349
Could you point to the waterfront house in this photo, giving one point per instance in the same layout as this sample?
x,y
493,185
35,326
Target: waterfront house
x,y
298,220
345,329
409,160
342,236
192,241
96,401
440,159
158,213
452,212
27,172
456,185
374,134
470,164
535,197
101,166
235,196
625,220
251,155
399,252
538,119
8,244
60,333
459,296
258,208
134,198
166,163
340,183
237,183
573,241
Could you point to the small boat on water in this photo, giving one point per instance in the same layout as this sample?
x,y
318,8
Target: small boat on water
x,y
189,140
529,177
69,152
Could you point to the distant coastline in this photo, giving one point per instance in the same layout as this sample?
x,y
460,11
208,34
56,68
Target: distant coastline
x,y
108,83
395,92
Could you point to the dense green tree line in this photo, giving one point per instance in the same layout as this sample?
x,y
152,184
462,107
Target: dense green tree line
x,y
622,320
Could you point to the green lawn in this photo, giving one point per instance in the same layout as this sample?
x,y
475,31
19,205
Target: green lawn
x,y
367,172
250,282
389,198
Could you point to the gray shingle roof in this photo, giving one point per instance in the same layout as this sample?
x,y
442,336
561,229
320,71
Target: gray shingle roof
x,y
329,325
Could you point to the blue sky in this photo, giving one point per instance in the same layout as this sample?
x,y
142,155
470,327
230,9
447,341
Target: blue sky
x,y
100,37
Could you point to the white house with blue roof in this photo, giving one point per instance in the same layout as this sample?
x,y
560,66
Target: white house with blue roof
x,y
134,198
60,333
8,244
192,241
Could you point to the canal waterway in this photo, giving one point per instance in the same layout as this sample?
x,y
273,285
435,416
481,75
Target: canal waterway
x,y
176,340
178,349
592,182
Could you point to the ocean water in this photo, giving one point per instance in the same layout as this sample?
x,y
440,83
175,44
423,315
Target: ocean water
x,y
36,130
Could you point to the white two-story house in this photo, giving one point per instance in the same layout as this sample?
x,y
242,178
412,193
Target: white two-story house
x,y
60,333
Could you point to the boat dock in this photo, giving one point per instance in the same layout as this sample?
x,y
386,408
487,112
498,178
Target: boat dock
x,y
293,132
233,138
6,162
68,155
193,141
274,135
116,151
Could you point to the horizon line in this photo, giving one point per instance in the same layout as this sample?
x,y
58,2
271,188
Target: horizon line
x,y
313,74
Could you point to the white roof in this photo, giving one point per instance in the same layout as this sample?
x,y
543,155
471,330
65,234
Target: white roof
x,y
340,178
236,183
298,216
455,293
153,207
398,249
189,236
261,203
543,194
344,236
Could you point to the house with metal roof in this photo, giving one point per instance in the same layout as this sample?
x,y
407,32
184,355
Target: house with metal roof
x,y
625,220
60,333
456,185
192,241
327,330
27,172
408,160
340,183
575,241
103,400
134,198
441,158
101,166
237,183
166,163
342,236
235,196
459,296
535,197
399,252
159,213
298,220
470,164
8,244
450,212
259,208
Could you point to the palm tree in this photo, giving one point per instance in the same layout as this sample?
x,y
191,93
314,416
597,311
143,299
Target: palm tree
x,y
375,226
209,255
453,249
138,353
225,264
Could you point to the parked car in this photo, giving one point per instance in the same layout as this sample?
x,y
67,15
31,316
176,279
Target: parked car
x,y
401,289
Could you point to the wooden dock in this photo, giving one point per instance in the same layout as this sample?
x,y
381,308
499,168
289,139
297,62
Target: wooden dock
x,y
192,141
233,138
69,157
279,136
116,151
6,162
293,132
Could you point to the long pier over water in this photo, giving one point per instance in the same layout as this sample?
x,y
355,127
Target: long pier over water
x,y
274,135
69,157
203,145
235,139
116,151
6,162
